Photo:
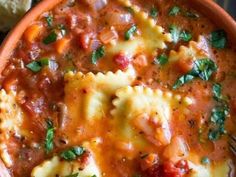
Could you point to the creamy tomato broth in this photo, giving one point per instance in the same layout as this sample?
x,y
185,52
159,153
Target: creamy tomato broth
x,y
119,88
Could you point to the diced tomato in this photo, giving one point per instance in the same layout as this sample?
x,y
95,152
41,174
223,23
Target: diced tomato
x,y
122,61
168,169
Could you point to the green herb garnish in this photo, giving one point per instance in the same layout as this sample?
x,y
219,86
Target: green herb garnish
x,y
94,176
49,137
52,37
185,36
129,9
130,32
161,60
49,20
73,175
218,39
175,33
217,88
97,54
72,153
202,68
36,66
174,11
205,160
153,12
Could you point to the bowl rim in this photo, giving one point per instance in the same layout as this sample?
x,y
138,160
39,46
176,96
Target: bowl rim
x,y
217,14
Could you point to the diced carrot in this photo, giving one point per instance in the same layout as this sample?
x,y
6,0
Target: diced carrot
x,y
61,45
32,32
140,60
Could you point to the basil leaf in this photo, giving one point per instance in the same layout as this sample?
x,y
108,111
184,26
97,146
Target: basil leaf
x,y
153,12
204,68
73,175
218,39
130,32
217,88
174,11
49,137
52,37
49,20
162,59
34,66
175,33
185,36
72,153
183,80
97,54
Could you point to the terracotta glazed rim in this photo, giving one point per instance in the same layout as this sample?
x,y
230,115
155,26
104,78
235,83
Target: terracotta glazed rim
x,y
207,7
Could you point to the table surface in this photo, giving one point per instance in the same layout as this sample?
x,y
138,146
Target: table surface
x,y
229,5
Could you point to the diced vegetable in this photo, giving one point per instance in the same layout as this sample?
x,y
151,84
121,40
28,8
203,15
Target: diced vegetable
x,y
61,45
140,60
72,153
161,60
153,12
96,4
118,19
108,35
218,39
97,54
52,37
130,32
32,33
122,61
174,11
49,137
202,68
185,36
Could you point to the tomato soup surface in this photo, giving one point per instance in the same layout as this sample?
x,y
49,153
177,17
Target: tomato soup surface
x,y
119,88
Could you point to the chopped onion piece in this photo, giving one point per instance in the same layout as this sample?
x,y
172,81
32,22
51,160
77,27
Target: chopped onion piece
x,y
97,4
108,35
118,18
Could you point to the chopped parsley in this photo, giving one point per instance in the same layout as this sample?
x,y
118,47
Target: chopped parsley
x,y
130,32
175,10
73,175
36,66
202,68
153,12
49,20
205,160
49,137
97,54
94,176
175,33
73,153
217,88
50,38
161,60
218,39
185,36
